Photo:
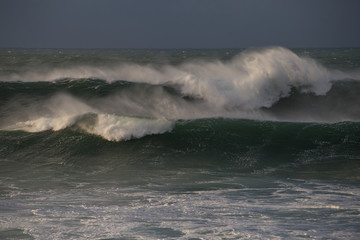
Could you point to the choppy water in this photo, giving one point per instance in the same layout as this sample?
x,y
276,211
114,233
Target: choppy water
x,y
180,144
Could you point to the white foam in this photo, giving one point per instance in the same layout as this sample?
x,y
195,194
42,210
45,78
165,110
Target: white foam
x,y
117,128
58,112
62,111
43,124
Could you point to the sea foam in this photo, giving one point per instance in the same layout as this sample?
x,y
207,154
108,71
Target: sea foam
x,y
117,128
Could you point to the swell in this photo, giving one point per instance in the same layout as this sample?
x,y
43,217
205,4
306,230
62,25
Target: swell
x,y
303,149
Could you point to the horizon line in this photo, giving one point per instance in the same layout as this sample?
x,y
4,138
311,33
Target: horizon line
x,y
176,48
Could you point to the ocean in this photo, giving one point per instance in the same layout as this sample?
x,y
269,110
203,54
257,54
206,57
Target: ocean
x,y
259,143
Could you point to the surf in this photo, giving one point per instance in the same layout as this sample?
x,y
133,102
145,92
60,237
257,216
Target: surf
x,y
129,100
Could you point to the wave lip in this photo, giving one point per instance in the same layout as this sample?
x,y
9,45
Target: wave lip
x,y
117,128
109,126
44,123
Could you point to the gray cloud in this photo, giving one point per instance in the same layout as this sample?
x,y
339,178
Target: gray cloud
x,y
179,24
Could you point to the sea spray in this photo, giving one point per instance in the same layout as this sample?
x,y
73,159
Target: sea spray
x,y
252,79
54,113
118,128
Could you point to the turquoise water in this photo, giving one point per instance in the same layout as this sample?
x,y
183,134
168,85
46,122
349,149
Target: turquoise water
x,y
179,144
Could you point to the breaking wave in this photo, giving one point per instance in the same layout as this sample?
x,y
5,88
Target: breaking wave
x,y
252,79
131,100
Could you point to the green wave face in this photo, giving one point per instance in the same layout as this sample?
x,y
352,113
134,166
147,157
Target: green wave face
x,y
304,149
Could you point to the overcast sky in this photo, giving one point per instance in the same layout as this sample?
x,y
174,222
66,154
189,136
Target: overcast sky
x,y
179,23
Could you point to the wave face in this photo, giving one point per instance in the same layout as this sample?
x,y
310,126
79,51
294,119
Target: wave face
x,y
306,149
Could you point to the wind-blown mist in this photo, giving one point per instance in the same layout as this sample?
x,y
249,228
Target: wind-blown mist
x,y
133,100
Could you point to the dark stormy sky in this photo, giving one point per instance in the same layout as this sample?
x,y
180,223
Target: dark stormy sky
x,y
179,23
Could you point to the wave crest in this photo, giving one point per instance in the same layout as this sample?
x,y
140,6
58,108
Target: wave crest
x,y
118,128
251,80
108,126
